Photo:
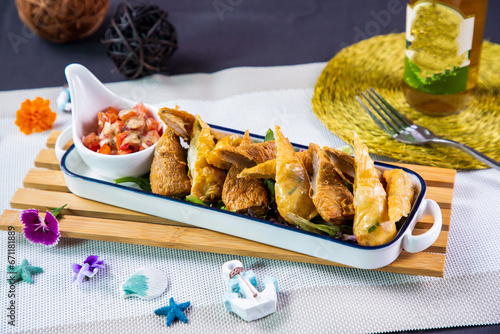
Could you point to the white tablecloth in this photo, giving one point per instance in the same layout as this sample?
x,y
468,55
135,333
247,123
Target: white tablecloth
x,y
312,298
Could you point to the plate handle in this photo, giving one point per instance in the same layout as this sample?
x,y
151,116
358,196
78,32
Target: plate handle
x,y
417,243
61,141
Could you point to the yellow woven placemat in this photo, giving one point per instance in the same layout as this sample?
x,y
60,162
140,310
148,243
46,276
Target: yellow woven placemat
x,y
379,62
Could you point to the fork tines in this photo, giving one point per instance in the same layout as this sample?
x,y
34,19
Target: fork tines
x,y
395,123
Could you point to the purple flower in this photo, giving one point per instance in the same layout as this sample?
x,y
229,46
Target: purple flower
x,y
90,267
37,231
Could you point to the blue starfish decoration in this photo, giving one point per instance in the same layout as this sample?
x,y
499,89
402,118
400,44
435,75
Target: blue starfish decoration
x,y
173,311
23,272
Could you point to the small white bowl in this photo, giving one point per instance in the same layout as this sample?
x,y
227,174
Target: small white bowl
x,y
89,96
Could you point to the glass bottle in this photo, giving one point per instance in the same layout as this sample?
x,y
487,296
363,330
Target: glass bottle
x,y
443,48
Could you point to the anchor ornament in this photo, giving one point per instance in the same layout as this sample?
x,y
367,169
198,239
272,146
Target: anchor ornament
x,y
243,297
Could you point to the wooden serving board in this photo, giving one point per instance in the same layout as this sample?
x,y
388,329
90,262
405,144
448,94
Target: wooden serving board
x,y
45,186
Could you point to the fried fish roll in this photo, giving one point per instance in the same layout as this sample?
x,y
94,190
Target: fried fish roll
x,y
180,121
329,194
244,195
168,170
215,158
247,196
249,155
292,182
400,193
342,162
267,169
372,225
206,180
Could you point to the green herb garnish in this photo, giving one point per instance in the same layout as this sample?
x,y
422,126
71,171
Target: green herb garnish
x,y
142,182
269,135
270,183
346,149
331,230
373,227
194,199
293,190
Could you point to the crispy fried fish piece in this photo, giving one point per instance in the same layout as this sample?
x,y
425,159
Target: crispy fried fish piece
x,y
168,170
267,169
342,162
329,194
214,157
246,140
248,155
180,121
372,225
292,182
206,180
400,193
244,195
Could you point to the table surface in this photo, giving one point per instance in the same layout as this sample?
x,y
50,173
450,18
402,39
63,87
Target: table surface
x,y
247,33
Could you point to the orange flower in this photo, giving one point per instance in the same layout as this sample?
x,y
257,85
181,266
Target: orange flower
x,y
35,115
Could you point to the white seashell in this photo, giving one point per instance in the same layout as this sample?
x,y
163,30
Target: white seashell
x,y
146,283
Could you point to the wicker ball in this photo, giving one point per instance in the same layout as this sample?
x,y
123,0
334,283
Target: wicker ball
x,y
140,40
62,21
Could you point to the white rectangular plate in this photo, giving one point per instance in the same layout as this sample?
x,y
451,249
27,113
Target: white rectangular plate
x,y
83,182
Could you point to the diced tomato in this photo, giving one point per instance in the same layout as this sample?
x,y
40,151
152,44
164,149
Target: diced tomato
x,y
124,131
105,149
119,139
127,151
113,110
91,141
104,117
141,109
152,124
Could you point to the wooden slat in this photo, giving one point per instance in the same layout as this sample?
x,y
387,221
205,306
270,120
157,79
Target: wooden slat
x,y
78,206
439,246
188,238
426,222
47,159
51,141
434,176
45,179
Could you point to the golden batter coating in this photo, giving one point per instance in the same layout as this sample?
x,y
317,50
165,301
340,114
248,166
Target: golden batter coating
x,y
168,170
244,195
329,194
342,162
372,225
400,193
292,182
267,169
180,121
206,180
215,158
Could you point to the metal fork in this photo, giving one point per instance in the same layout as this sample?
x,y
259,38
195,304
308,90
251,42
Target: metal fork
x,y
400,128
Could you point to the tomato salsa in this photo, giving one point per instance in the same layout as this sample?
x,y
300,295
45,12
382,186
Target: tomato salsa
x,y
123,131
